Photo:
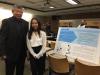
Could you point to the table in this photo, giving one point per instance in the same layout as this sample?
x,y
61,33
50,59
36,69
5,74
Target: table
x,y
71,59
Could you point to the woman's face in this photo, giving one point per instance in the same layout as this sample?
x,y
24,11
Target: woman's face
x,y
34,24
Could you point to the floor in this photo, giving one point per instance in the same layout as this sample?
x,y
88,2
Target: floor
x,y
2,69
26,71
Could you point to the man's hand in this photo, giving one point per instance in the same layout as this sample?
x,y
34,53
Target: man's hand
x,y
3,57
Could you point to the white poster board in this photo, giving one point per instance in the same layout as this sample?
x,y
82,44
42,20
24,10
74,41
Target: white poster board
x,y
81,43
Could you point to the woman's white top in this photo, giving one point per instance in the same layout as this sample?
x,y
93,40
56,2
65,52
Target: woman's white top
x,y
37,41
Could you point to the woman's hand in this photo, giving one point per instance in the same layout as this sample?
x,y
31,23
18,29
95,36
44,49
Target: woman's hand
x,y
35,56
39,55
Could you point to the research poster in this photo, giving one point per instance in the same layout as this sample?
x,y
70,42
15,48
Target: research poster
x,y
81,43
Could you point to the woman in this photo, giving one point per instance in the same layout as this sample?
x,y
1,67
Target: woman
x,y
36,42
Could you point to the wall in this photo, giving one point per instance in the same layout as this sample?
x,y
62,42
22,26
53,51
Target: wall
x,y
92,18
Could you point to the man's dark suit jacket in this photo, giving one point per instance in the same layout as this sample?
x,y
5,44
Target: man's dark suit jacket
x,y
13,38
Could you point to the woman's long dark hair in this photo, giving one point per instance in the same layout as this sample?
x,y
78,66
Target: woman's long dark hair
x,y
32,29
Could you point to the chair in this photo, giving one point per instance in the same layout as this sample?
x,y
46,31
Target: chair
x,y
52,45
58,66
83,69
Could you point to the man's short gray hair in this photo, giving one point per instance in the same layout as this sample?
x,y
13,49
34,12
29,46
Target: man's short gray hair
x,y
18,6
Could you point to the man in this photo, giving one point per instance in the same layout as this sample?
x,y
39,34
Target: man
x,y
13,41
83,24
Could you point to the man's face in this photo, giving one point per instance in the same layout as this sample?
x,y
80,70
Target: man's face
x,y
17,12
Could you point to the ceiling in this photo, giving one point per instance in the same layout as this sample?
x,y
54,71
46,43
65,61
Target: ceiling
x,y
61,7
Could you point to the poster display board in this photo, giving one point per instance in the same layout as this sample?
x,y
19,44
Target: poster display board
x,y
81,43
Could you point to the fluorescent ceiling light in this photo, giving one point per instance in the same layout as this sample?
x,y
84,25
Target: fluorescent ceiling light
x,y
51,7
71,2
